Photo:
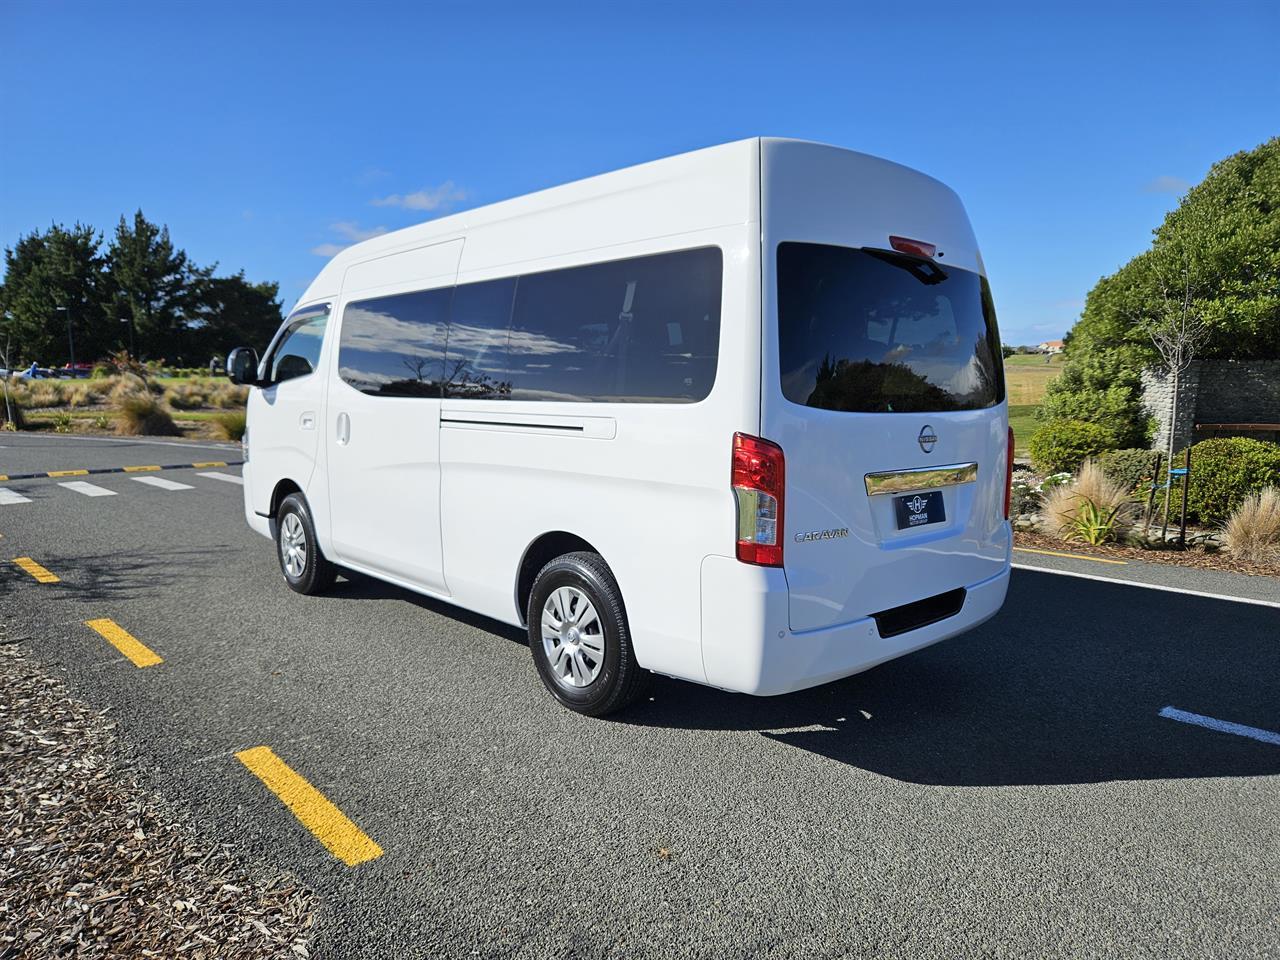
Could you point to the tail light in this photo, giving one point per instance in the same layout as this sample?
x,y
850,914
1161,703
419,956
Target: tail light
x,y
916,248
758,480
1008,476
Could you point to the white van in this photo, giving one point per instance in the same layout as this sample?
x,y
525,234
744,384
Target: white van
x,y
737,416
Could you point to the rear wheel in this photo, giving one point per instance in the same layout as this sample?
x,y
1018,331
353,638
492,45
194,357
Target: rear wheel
x,y
579,638
304,567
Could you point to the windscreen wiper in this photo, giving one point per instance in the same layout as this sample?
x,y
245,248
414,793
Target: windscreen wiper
x,y
926,271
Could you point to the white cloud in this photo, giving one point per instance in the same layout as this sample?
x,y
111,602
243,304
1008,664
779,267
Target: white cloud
x,y
1167,184
428,198
354,232
350,231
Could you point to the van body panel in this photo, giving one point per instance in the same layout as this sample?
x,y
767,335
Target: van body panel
x,y
821,195
641,482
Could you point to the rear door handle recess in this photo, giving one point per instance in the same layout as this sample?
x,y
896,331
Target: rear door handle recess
x,y
308,420
344,429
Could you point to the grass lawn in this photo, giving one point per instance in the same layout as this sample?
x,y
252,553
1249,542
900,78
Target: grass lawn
x,y
1027,375
1022,419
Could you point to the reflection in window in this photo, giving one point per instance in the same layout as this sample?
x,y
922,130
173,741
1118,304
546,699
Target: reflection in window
x,y
298,352
476,357
394,346
873,331
643,329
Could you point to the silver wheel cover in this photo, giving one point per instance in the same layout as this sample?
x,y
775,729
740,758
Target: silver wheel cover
x,y
572,637
293,546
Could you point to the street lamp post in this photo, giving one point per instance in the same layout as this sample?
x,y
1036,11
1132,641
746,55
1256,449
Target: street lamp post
x,y
129,320
71,343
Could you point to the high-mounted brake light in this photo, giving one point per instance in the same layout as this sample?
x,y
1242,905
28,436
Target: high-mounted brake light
x,y
1008,476
758,479
916,248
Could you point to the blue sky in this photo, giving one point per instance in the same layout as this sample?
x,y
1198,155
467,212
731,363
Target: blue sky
x,y
267,134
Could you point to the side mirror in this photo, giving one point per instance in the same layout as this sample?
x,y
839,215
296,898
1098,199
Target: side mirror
x,y
242,366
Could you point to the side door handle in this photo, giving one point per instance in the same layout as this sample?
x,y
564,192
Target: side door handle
x,y
308,420
343,429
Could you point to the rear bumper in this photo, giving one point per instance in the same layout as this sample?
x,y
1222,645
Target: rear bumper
x,y
747,645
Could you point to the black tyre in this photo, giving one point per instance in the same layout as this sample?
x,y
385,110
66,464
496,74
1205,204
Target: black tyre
x,y
579,638
304,567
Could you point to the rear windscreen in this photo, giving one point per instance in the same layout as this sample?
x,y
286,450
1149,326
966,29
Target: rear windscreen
x,y
872,331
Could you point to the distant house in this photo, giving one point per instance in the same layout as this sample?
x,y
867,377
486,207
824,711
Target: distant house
x,y
1050,346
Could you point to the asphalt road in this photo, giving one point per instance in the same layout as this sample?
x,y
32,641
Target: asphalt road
x,y
1013,792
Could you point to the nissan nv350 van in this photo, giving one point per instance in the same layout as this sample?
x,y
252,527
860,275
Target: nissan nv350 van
x,y
736,416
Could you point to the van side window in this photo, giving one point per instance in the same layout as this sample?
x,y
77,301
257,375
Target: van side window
x,y
475,363
394,346
645,329
298,352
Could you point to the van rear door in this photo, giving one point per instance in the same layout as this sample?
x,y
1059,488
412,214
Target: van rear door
x,y
884,387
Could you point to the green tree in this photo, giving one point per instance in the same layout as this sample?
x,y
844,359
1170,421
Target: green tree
x,y
1214,264
62,267
232,312
151,284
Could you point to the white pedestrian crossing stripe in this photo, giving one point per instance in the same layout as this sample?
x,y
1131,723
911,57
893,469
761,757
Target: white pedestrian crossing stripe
x,y
162,483
228,477
88,489
8,496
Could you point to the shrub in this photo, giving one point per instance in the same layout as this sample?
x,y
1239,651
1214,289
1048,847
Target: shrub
x,y
1133,468
141,414
101,422
127,384
227,395
1252,532
1099,387
185,396
1065,444
101,371
45,393
62,423
1224,472
81,394
1092,508
230,426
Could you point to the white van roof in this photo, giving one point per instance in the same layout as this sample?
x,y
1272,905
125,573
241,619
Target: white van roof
x,y
703,189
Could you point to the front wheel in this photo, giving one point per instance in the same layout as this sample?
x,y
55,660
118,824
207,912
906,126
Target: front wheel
x,y
304,567
579,637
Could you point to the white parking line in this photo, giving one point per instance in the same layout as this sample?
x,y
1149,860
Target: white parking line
x,y
162,483
228,477
88,489
8,496
1147,586
1222,726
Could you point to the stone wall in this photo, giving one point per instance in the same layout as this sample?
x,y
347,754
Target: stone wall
x,y
1214,391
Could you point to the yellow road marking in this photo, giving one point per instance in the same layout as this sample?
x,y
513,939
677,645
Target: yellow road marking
x,y
330,825
1072,556
211,463
125,642
4,476
68,473
139,469
40,573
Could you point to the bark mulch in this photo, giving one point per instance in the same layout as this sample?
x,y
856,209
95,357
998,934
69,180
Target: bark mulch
x,y
1191,557
93,866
